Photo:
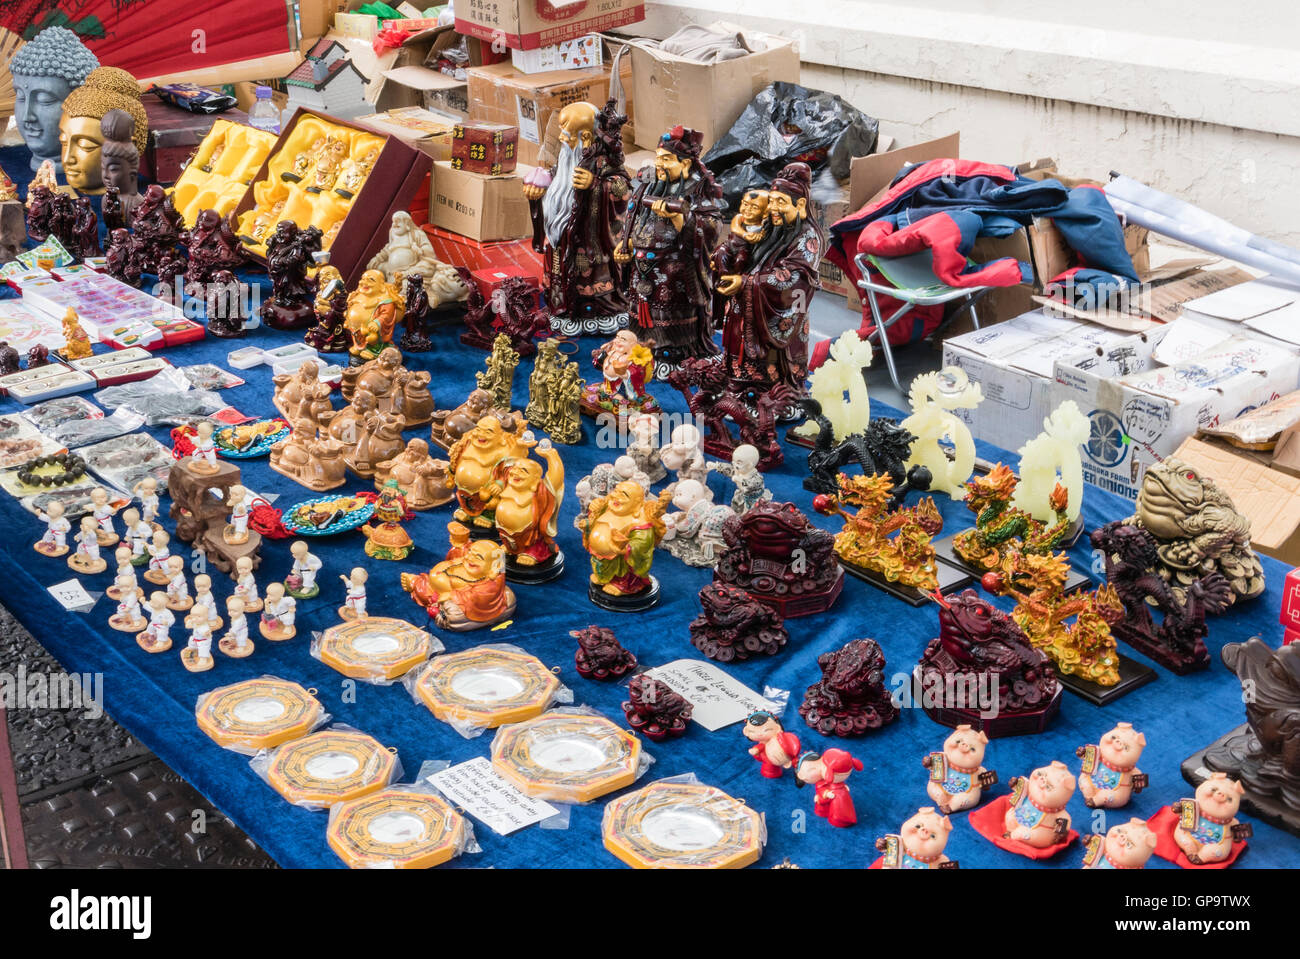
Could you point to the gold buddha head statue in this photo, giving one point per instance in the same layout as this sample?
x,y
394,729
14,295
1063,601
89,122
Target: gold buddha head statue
x,y
80,130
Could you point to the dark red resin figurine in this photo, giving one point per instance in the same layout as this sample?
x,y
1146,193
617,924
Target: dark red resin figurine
x,y
213,246
712,399
289,254
512,310
781,559
980,649
654,710
225,301
415,335
600,655
1178,641
851,698
735,626
156,231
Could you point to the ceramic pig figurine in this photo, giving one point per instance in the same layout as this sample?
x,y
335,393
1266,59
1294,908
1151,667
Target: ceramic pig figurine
x,y
919,843
1109,775
1208,824
957,776
1037,813
1126,846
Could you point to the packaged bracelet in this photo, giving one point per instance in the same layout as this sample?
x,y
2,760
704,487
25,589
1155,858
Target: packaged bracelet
x,y
46,416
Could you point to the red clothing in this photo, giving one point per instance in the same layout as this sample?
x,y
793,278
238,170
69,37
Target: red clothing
x,y
834,804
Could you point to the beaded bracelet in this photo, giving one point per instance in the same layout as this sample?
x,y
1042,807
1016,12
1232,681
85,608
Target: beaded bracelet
x,y
73,469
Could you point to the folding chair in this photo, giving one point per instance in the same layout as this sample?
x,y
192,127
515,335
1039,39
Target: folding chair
x,y
912,297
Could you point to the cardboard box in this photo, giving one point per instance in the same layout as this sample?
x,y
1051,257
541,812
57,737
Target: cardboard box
x,y
427,131
708,97
1141,411
491,148
394,180
871,175
516,257
1261,308
1013,363
529,24
1268,497
479,207
584,51
501,94
423,84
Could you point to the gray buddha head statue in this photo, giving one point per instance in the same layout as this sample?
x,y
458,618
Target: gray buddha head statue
x,y
45,70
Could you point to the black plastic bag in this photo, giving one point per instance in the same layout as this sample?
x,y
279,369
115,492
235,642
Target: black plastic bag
x,y
784,123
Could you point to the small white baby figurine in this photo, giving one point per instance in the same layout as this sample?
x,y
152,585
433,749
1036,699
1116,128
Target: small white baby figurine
x,y
355,605
178,587
147,490
159,554
156,638
236,643
684,454
87,559
197,654
122,555
246,585
278,613
694,535
743,472
137,533
103,512
643,445
301,582
236,532
205,604
128,618
57,527
204,458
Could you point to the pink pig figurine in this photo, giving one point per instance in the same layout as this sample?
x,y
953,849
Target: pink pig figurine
x,y
1037,813
1208,824
919,843
957,776
1126,846
1109,775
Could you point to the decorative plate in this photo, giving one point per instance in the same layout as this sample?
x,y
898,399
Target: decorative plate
x,y
258,713
224,439
336,514
669,825
568,758
397,828
374,647
486,688
330,766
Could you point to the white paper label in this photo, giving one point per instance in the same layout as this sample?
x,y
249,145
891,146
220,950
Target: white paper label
x,y
72,595
718,699
479,789
526,111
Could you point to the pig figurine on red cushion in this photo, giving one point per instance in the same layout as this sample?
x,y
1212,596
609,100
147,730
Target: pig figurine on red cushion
x,y
1204,832
957,776
1110,776
919,844
1126,846
1037,813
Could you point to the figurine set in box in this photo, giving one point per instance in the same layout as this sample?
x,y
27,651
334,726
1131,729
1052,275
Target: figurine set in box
x,y
222,167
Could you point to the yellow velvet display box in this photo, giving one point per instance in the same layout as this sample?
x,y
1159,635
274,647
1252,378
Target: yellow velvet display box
x,y
221,170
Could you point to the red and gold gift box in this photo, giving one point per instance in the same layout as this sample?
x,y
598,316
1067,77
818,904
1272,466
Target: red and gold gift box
x,y
488,148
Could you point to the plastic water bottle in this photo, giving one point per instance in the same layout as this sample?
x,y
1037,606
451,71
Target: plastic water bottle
x,y
264,115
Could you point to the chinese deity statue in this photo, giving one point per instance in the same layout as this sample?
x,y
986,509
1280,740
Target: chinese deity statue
x,y
80,130
156,229
409,251
577,219
374,309
329,335
120,165
766,284
478,463
468,589
620,532
626,368
670,231
289,253
45,70
212,245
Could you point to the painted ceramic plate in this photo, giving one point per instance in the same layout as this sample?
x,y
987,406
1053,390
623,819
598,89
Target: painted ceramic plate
x,y
566,757
258,713
485,688
671,825
376,647
330,766
397,829
262,435
327,515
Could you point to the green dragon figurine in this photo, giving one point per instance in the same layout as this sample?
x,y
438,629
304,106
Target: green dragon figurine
x,y
999,525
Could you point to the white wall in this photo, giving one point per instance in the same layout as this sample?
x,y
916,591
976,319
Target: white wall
x,y
1198,99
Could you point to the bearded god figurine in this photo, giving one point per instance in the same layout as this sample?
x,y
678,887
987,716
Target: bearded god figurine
x,y
577,212
45,70
765,275
670,232
374,309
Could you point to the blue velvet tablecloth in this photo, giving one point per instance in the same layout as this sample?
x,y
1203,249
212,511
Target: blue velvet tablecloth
x,y
154,697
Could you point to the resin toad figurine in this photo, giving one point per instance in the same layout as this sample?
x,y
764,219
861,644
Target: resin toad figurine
x,y
600,655
735,626
851,698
